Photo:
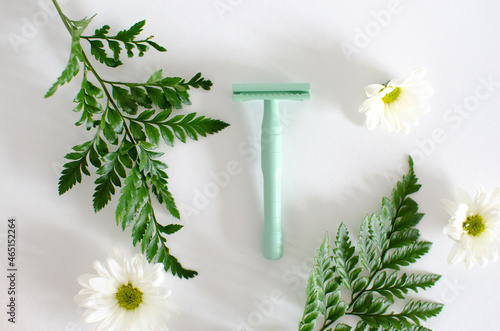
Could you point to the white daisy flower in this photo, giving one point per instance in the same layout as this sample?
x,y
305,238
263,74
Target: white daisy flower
x,y
125,295
396,105
474,226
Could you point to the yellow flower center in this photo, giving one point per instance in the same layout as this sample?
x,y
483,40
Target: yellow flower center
x,y
474,225
128,297
392,96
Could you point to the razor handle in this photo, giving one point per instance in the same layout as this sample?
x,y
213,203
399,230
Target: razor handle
x,y
272,243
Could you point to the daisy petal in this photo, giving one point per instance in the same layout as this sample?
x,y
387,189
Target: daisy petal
x,y
397,105
373,89
474,226
143,305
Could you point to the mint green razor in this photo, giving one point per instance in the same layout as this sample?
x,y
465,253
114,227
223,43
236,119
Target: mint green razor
x,y
272,238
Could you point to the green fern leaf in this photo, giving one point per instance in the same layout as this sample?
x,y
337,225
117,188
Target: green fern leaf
x,y
386,241
97,49
70,71
110,173
345,258
72,68
72,170
159,188
315,305
124,100
400,285
131,33
123,149
135,209
369,258
198,81
420,310
404,238
156,46
404,256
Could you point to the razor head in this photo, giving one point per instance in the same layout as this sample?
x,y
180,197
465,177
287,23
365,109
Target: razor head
x,y
291,91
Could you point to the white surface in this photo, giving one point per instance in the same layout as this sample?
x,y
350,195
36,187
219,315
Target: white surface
x,y
334,168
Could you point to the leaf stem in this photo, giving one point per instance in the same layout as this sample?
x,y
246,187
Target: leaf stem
x,y
130,85
63,17
113,38
102,82
89,66
382,255
326,324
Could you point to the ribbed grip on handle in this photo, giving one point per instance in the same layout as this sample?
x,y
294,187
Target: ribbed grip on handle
x,y
272,245
271,169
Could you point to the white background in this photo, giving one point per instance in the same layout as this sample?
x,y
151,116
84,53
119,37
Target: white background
x,y
334,168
